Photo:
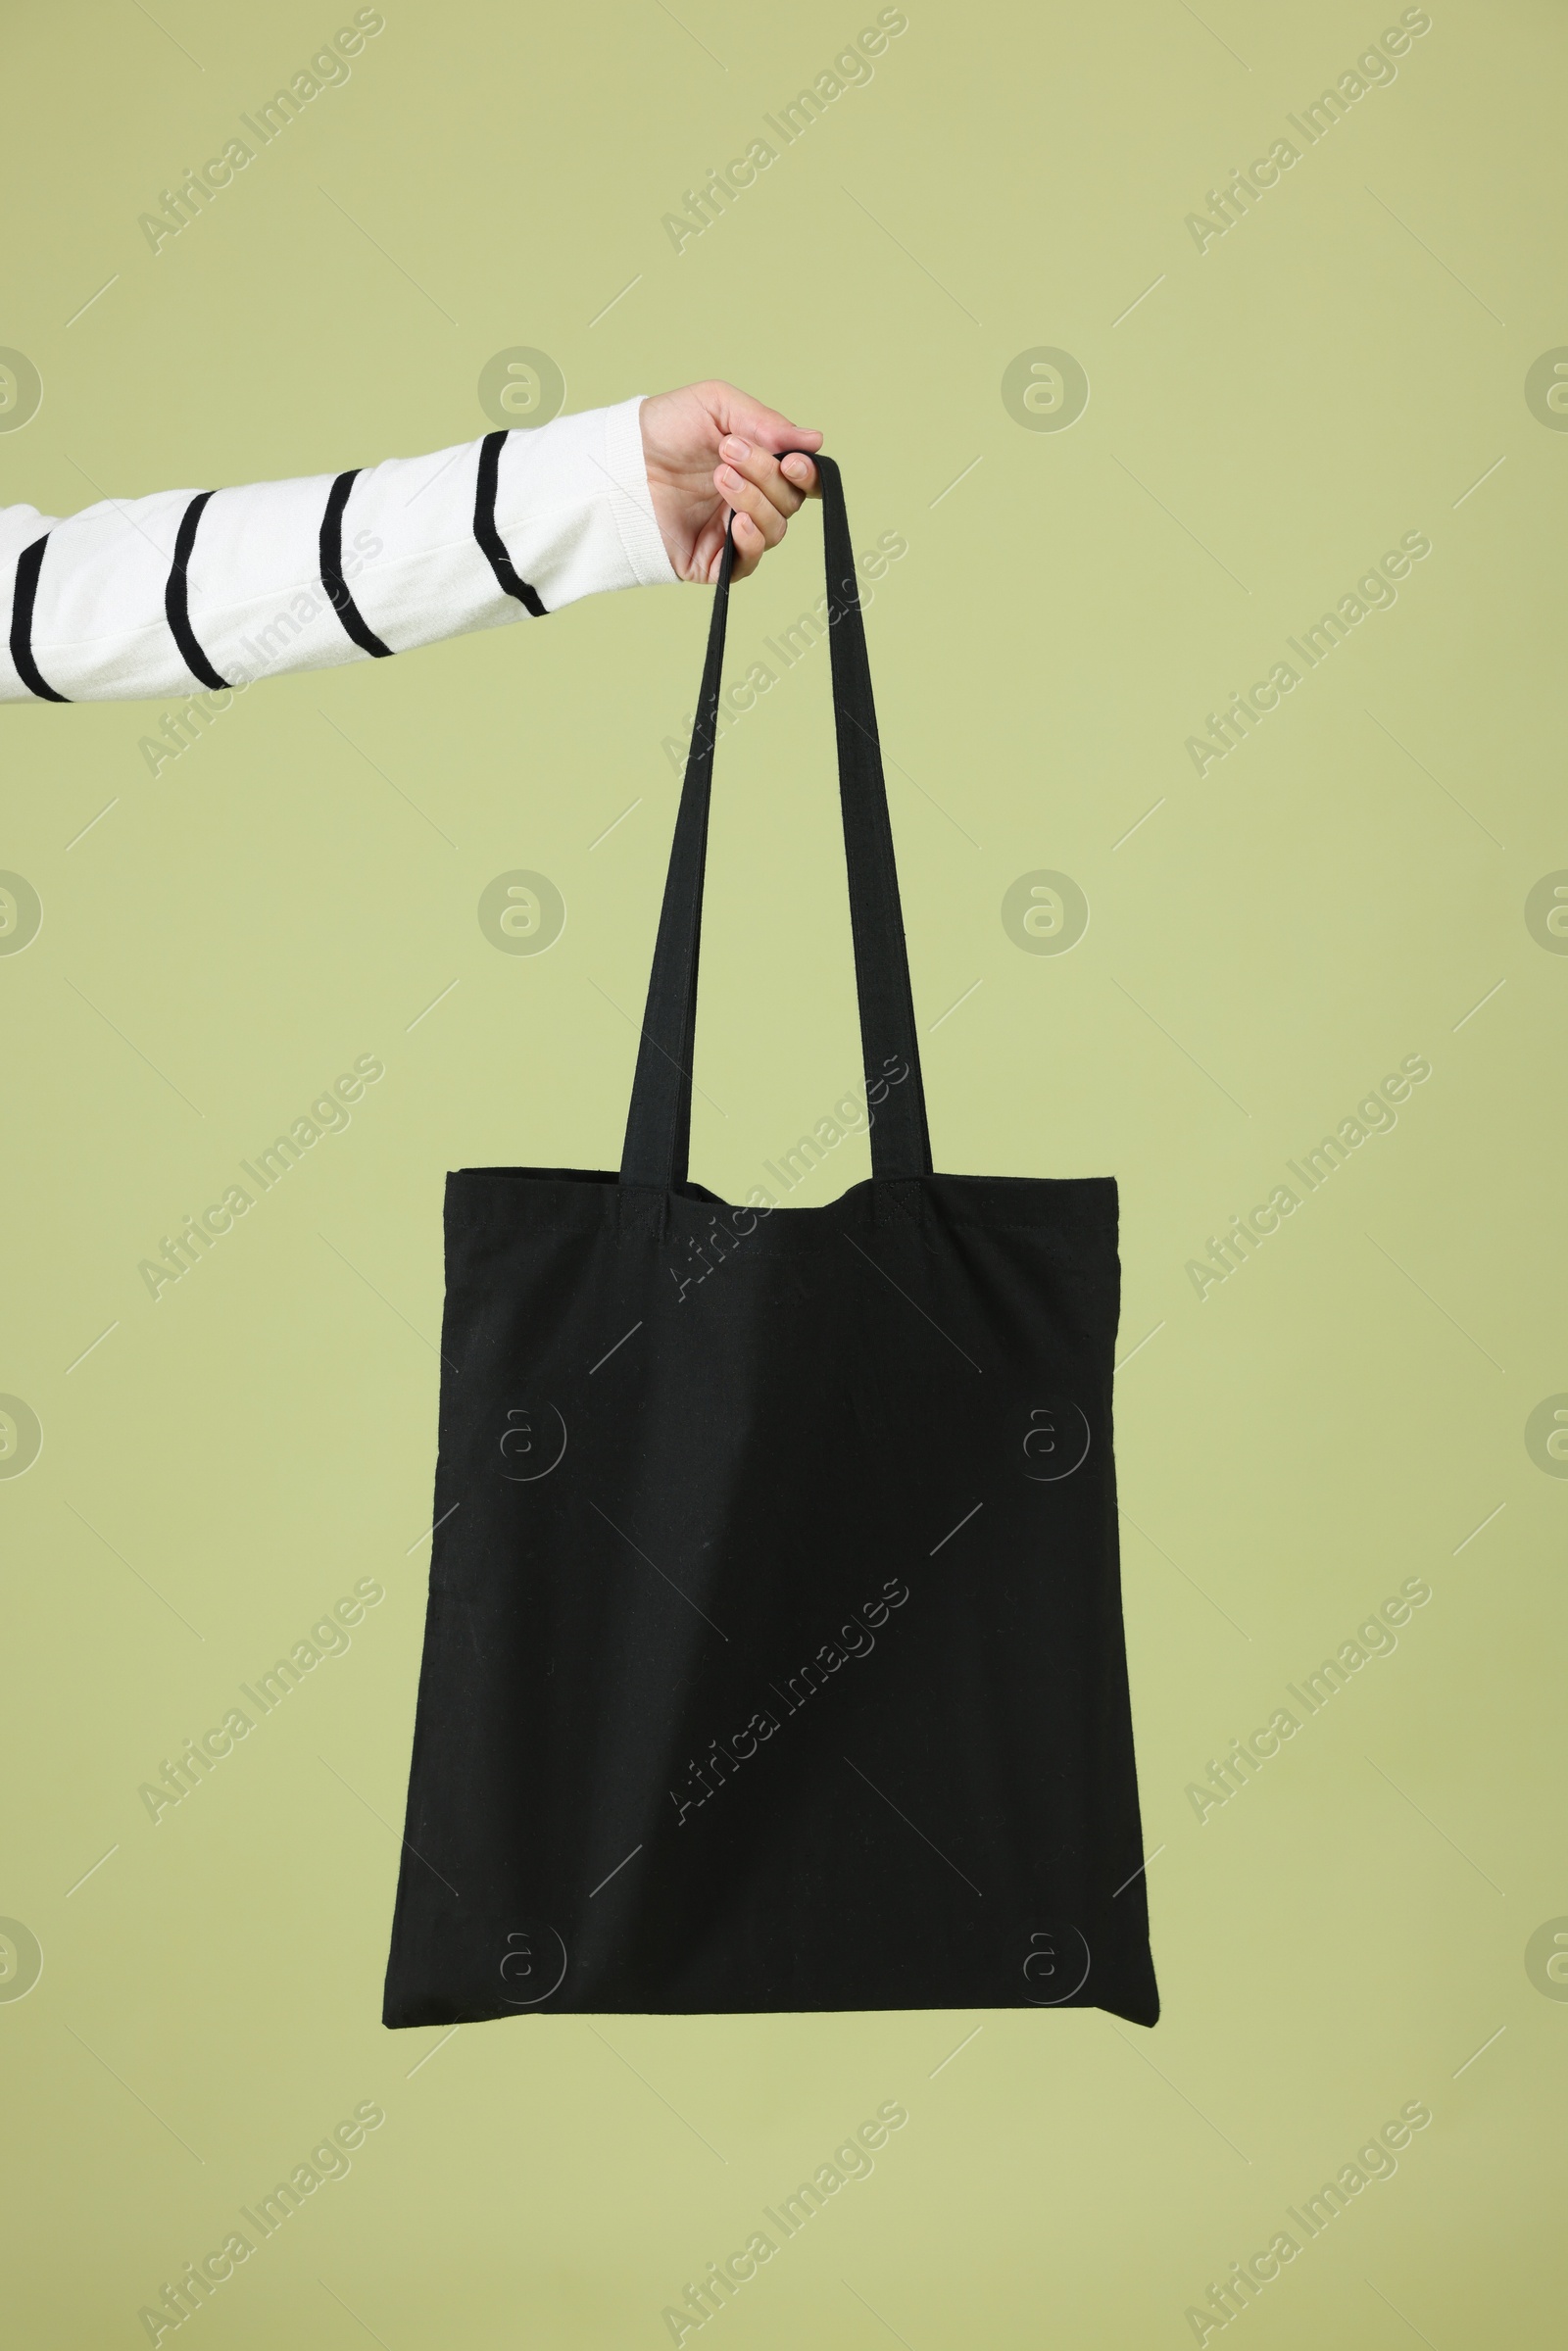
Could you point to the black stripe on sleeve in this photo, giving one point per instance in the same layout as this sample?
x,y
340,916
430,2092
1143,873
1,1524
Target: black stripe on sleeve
x,y
484,527
28,566
176,600
332,580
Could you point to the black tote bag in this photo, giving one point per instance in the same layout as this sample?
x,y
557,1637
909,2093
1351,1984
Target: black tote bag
x,y
774,1656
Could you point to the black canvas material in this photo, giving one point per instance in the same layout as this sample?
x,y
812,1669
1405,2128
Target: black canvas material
x,y
773,1657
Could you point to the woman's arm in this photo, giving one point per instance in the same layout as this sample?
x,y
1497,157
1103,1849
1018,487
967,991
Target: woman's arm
x,y
187,589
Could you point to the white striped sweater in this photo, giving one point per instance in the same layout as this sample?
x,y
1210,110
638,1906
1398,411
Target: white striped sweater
x,y
187,589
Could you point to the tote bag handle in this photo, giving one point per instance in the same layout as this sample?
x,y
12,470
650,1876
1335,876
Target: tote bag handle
x,y
658,1128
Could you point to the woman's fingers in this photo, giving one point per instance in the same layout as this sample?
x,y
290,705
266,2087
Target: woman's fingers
x,y
758,465
751,480
747,499
761,489
710,448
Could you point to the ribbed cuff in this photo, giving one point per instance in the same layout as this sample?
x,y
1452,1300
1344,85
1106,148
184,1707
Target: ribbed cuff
x,y
632,501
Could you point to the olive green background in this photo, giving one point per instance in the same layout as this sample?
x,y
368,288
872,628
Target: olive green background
x,y
1345,889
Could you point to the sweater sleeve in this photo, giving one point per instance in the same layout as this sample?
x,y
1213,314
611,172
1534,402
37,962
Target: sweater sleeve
x,y
188,588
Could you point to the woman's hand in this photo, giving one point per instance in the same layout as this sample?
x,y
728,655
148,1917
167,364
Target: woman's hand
x,y
707,448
